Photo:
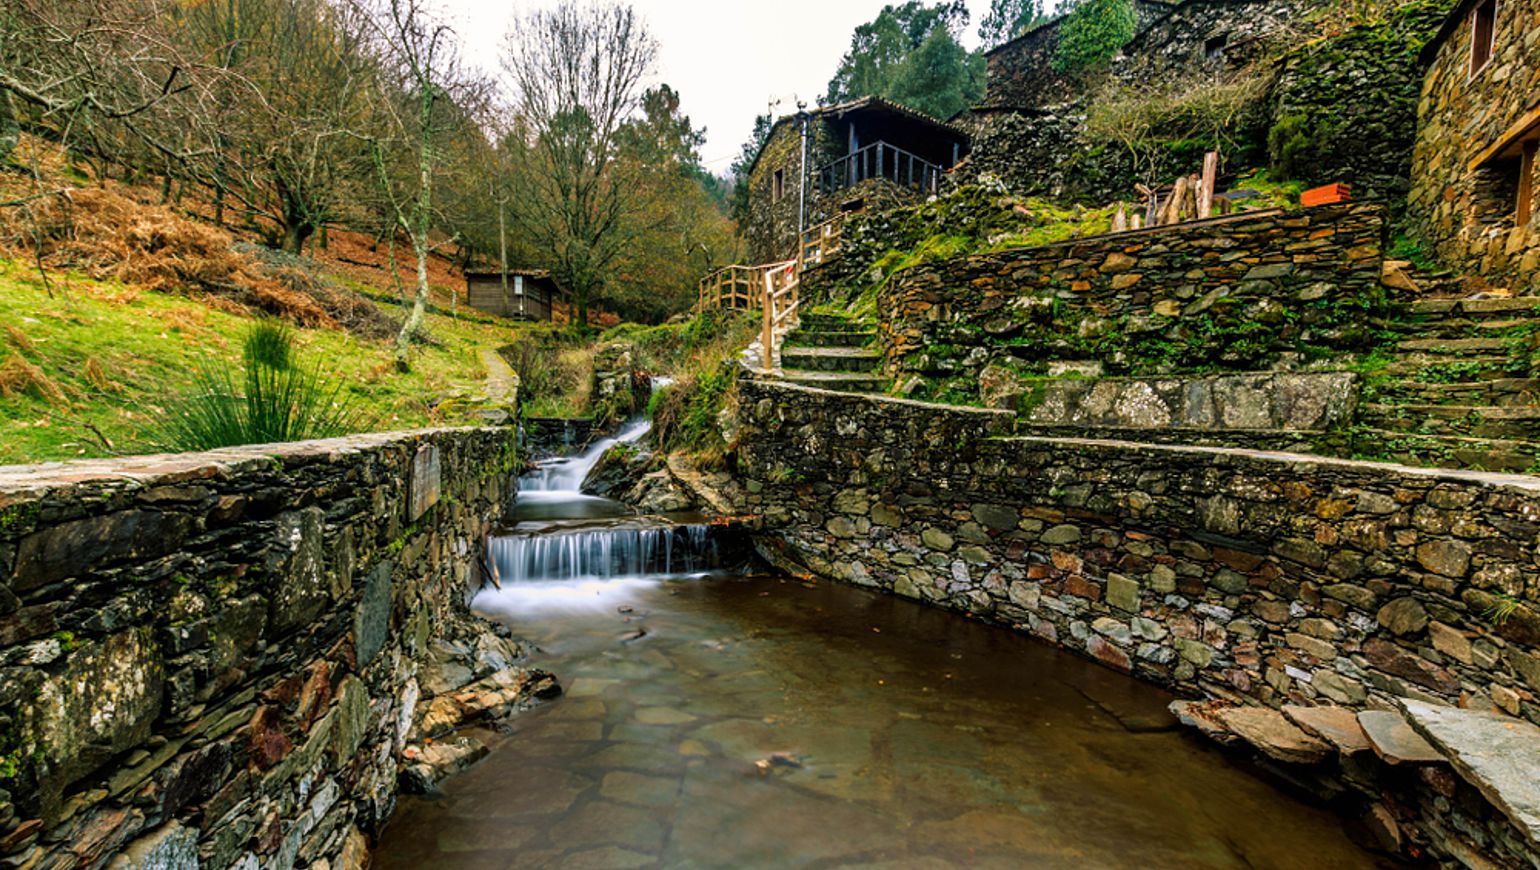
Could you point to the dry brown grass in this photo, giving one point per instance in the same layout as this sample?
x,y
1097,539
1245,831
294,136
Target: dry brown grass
x,y
20,377
96,375
19,340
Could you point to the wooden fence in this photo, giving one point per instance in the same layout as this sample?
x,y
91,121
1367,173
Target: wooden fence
x,y
821,242
739,288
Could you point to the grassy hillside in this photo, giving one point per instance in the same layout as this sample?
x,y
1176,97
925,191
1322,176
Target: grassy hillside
x,y
105,355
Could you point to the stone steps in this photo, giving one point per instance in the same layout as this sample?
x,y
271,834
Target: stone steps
x,y
1479,367
845,382
830,359
803,337
1455,346
1475,308
1502,392
1455,327
1448,451
1473,421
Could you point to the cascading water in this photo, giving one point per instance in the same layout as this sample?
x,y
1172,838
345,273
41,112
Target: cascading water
x,y
566,550
566,475
617,551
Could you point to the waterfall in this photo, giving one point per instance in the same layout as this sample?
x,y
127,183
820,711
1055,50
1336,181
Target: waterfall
x,y
610,553
567,474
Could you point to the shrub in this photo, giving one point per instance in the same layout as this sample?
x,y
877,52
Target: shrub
x,y
273,401
1092,33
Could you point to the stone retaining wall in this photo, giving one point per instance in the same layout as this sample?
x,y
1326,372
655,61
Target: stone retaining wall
x,y
1244,293
1257,577
210,659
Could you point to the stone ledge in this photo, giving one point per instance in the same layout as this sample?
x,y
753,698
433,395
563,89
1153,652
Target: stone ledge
x,y
159,468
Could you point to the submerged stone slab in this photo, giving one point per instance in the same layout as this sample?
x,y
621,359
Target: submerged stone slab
x,y
1497,754
1394,740
1274,735
1336,725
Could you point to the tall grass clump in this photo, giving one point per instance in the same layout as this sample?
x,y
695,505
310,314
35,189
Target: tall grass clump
x,y
272,399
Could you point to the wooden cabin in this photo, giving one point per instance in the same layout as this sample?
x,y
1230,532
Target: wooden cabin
x,y
530,294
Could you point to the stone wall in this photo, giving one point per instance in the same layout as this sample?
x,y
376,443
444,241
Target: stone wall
x,y
1247,293
211,659
1252,402
1468,215
1262,578
771,232
1349,105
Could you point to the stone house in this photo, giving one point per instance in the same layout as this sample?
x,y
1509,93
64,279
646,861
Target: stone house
x,y
530,294
1032,116
1473,168
867,154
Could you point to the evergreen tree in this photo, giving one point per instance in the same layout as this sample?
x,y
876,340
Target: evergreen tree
x,y
911,53
1008,19
739,206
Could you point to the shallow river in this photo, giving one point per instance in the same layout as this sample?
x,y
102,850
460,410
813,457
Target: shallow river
x,y
721,721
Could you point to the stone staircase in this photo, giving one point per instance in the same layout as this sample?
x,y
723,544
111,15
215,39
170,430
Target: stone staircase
x,y
1458,390
833,352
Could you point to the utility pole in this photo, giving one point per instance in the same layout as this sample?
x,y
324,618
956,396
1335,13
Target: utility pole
x,y
803,119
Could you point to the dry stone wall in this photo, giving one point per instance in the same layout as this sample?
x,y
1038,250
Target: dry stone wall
x,y
1244,293
1263,578
212,659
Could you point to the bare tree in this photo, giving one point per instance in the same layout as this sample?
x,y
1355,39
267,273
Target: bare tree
x,y
293,106
421,103
576,74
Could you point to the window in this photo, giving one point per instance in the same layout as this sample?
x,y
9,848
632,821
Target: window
x,y
1483,35
1214,47
1526,200
779,188
518,285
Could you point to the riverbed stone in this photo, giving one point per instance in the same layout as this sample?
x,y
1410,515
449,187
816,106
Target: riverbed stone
x,y
1499,755
1274,735
1394,740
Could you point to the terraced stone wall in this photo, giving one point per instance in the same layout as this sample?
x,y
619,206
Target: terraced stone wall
x,y
1263,578
1244,294
210,660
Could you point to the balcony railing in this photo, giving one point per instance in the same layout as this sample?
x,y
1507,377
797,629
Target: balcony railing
x,y
880,160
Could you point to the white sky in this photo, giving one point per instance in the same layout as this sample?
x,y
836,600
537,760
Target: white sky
x,y
727,60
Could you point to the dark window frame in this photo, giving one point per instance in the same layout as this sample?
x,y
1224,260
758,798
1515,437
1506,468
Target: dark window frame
x,y
778,185
1483,36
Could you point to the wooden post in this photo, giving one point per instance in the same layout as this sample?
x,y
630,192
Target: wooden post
x,y
1206,188
1120,220
767,333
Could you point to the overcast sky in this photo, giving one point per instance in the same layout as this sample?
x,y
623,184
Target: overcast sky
x,y
728,60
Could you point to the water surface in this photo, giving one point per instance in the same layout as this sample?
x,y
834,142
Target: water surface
x,y
763,722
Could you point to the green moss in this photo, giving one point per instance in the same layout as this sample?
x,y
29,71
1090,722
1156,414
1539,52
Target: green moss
x,y
19,518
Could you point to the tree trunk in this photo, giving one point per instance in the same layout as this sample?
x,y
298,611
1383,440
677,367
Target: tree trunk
x,y
421,223
294,235
10,130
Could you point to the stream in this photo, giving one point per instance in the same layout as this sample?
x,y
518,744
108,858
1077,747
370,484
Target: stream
x,y
733,719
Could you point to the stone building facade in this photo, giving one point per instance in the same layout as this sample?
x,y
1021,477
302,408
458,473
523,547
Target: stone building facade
x,y
869,154
1474,169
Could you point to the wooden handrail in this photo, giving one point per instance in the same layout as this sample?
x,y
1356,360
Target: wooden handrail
x,y
781,280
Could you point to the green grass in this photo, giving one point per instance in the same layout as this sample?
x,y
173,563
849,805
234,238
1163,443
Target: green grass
x,y
112,357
